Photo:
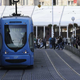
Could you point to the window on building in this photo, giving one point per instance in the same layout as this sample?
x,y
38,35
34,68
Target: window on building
x,y
26,2
10,2
68,2
42,3
71,2
54,2
23,2
36,2
57,2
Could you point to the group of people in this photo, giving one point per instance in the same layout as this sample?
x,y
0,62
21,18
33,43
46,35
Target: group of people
x,y
56,43
40,43
75,41
53,43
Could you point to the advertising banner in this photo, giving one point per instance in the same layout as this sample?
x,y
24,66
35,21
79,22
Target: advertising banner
x,y
75,1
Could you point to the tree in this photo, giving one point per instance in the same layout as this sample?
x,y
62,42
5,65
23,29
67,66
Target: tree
x,y
75,25
70,26
49,25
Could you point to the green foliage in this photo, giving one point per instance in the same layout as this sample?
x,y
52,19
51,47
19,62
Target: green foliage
x,y
50,25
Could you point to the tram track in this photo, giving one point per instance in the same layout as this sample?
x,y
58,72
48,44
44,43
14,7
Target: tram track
x,y
48,64
58,71
67,64
22,75
13,73
55,67
4,74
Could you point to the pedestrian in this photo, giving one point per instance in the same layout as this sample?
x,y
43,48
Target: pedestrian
x,y
56,42
76,43
72,39
50,42
38,41
53,42
44,42
64,42
34,42
41,43
60,43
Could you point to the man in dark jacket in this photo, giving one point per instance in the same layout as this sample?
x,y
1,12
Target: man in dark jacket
x,y
60,43
44,42
50,42
53,42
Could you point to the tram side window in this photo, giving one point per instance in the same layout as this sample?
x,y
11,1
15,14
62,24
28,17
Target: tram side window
x,y
31,42
0,41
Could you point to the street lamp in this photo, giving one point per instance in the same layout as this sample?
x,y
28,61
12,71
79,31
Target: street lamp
x,y
52,32
73,18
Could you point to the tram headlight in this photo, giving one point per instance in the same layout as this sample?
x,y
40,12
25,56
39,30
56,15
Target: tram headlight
x,y
6,23
6,52
25,52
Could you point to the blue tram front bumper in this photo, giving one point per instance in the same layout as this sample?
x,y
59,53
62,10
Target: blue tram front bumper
x,y
22,60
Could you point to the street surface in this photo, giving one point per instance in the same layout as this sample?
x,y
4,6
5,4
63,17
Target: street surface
x,y
49,64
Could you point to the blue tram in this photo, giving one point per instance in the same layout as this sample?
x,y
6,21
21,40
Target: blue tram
x,y
16,41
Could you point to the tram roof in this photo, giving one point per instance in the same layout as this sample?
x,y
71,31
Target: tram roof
x,y
43,16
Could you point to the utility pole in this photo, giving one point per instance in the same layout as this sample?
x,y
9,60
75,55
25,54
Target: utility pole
x,y
52,32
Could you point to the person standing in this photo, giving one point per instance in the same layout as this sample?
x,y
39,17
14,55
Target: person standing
x,y
56,42
64,42
44,42
53,42
34,42
50,43
38,41
60,43
72,39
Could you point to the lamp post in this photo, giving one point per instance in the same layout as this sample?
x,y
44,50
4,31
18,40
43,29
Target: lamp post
x,y
52,33
73,18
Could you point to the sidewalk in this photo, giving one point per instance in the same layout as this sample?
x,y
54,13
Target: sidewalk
x,y
73,49
73,56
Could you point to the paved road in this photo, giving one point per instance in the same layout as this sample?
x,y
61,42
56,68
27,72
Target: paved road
x,y
49,64
79,47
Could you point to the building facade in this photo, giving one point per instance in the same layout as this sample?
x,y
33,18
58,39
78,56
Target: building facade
x,y
42,2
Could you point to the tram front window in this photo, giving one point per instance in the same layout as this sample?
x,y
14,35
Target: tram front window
x,y
15,36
